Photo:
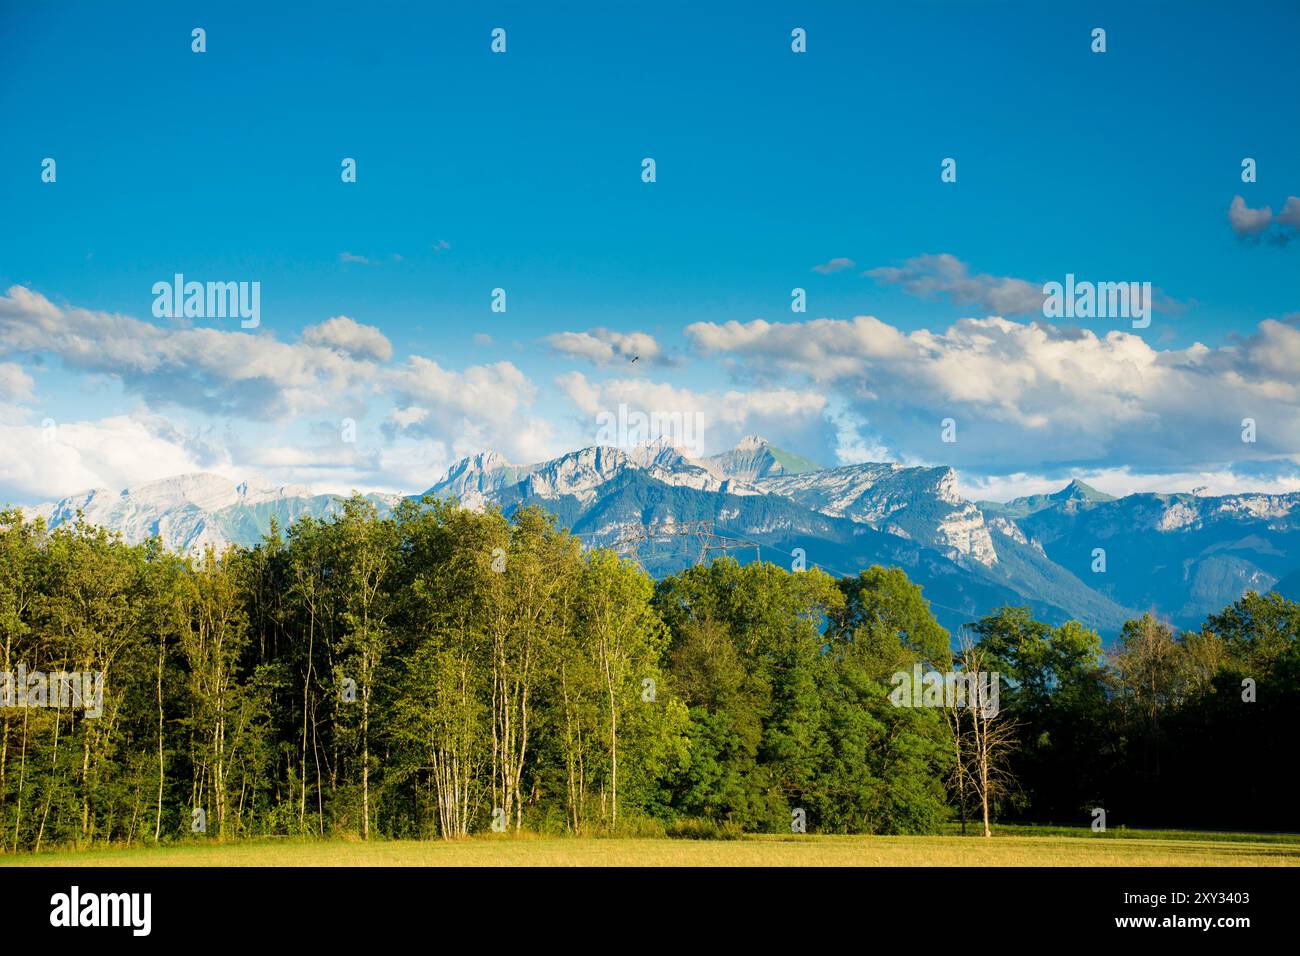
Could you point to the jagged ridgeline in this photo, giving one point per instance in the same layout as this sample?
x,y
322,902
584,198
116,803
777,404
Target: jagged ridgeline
x,y
1182,555
436,670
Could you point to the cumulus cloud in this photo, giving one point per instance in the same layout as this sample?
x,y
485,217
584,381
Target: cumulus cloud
x,y
1288,222
1025,396
1253,225
1248,223
15,384
944,275
350,257
51,460
835,265
211,369
483,406
604,346
350,338
494,392
717,420
1290,214
336,367
825,350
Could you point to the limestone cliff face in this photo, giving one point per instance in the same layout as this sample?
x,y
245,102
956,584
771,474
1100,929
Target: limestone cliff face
x,y
921,503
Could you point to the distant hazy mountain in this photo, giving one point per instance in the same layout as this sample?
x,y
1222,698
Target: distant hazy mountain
x,y
1182,555
1076,493
190,512
1289,586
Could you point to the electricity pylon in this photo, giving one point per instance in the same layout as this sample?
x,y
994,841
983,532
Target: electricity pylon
x,y
633,537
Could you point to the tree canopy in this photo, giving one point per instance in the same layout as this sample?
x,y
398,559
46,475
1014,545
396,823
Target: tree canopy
x,y
438,672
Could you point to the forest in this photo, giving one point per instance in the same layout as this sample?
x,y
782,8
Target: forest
x,y
439,672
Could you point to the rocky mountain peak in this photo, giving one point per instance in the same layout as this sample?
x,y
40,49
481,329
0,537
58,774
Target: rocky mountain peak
x,y
658,452
1076,490
756,458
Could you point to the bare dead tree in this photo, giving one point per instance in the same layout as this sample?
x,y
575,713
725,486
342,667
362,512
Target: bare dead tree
x,y
984,737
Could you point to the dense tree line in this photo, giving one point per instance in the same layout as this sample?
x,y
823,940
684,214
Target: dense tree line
x,y
1163,729
440,672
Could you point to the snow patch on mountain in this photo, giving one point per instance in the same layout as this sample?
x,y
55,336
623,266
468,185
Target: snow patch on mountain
x,y
923,503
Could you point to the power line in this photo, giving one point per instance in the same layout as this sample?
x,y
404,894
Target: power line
x,y
635,539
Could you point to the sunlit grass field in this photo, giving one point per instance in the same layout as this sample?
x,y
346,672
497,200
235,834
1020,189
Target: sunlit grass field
x,y
1010,847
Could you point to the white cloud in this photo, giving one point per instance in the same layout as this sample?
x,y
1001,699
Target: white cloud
x,y
1248,223
1290,214
603,346
1288,222
483,406
491,392
1253,224
931,276
851,446
211,369
47,462
337,367
786,416
824,350
15,384
350,338
834,265
1028,395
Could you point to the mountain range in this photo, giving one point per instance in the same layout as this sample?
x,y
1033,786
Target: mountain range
x,y
1182,555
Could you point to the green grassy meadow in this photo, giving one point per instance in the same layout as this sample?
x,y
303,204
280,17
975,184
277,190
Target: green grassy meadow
x,y
1010,847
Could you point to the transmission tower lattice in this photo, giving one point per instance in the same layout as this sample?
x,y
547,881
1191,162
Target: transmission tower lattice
x,y
634,538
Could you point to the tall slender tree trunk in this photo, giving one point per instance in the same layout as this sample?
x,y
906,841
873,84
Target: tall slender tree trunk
x,y
4,732
306,693
365,762
22,777
157,826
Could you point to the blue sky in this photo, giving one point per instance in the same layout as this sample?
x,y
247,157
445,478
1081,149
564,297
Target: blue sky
x,y
522,171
